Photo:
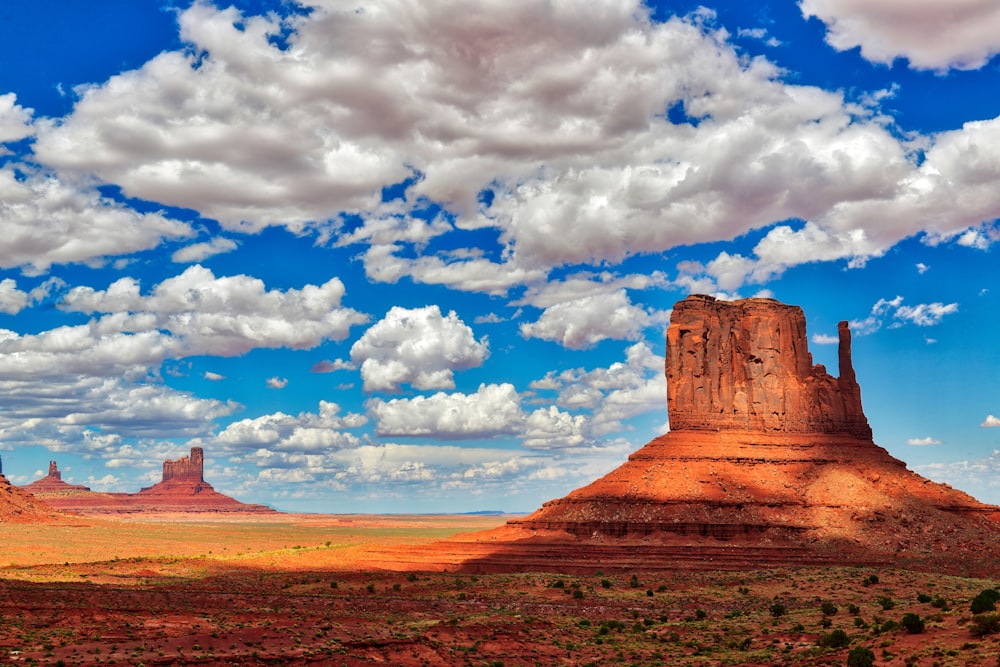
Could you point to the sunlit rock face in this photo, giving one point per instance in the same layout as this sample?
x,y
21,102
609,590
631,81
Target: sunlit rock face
x,y
769,460
745,366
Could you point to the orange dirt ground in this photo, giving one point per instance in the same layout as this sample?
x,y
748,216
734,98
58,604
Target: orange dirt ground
x,y
325,590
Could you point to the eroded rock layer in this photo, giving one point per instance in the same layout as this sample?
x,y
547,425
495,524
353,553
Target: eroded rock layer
x,y
769,460
17,506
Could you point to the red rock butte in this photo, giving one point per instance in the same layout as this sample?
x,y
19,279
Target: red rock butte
x,y
769,461
183,489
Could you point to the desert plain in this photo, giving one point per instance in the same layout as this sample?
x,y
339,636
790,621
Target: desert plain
x,y
348,590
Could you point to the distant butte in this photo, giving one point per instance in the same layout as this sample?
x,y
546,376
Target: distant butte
x,y
183,489
769,461
17,506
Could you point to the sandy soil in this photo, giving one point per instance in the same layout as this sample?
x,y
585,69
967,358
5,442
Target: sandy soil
x,y
302,591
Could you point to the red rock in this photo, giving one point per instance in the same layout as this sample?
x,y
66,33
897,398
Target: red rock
x,y
769,461
183,489
52,483
17,506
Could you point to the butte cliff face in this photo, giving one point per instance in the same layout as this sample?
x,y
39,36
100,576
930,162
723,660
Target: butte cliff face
x,y
745,366
769,460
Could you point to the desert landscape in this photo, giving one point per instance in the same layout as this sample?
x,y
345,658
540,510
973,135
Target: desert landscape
x,y
765,528
299,590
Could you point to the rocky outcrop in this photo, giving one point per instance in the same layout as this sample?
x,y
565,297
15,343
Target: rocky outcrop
x,y
182,489
187,468
53,483
769,460
745,366
17,506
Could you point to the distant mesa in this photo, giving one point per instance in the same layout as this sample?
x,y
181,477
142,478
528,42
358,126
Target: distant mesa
x,y
769,461
183,489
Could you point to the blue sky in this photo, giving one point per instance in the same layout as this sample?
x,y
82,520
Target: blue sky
x,y
393,257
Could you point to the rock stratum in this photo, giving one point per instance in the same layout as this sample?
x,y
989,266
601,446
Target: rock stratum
x,y
769,461
183,490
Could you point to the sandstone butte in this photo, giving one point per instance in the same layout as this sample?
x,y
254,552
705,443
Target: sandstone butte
x,y
183,489
769,461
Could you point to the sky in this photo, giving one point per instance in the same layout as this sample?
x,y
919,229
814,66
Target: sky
x,y
419,255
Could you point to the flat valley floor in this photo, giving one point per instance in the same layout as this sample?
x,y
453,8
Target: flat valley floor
x,y
321,590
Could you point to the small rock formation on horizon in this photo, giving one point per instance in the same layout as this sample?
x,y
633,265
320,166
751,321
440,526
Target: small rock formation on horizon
x,y
183,489
52,483
16,506
769,461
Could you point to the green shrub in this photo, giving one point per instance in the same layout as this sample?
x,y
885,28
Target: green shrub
x,y
886,602
861,657
985,624
985,601
778,609
853,609
634,581
828,608
836,639
924,597
912,623
606,583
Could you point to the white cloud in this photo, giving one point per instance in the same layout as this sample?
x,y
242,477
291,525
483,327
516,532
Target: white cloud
x,y
474,274
990,422
224,316
613,394
825,339
15,120
922,268
327,366
557,110
924,315
919,442
276,382
586,321
494,409
322,431
47,221
214,377
934,35
202,251
552,428
416,346
12,300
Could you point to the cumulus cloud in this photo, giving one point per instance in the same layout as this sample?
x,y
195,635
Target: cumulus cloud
x,y
990,422
550,428
614,394
584,322
320,431
494,409
226,316
47,221
929,34
276,382
214,377
15,120
919,442
550,119
418,346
